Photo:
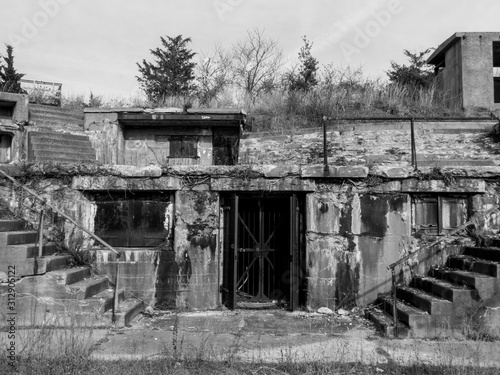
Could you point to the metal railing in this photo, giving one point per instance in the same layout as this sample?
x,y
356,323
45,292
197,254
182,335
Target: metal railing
x,y
392,266
39,253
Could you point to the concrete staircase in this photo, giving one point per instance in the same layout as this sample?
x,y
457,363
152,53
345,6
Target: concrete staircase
x,y
50,290
443,302
56,147
55,117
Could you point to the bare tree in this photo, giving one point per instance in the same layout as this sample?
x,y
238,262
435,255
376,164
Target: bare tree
x,y
214,74
257,61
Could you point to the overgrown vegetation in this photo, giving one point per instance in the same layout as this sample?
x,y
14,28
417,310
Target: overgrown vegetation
x,y
252,75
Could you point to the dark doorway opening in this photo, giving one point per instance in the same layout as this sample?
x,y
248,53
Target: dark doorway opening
x,y
263,251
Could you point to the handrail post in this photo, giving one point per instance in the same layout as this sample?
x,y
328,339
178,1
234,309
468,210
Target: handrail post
x,y
39,253
116,293
326,169
413,146
394,300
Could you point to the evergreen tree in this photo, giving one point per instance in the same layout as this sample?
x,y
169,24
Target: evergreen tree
x,y
417,75
171,73
10,79
307,75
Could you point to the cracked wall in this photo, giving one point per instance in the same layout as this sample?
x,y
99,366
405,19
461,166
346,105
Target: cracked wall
x,y
196,249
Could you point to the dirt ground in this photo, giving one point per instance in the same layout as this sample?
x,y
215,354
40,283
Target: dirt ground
x,y
277,335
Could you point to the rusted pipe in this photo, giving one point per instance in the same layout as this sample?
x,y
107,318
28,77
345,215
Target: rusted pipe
x,y
394,306
98,239
413,146
116,294
326,170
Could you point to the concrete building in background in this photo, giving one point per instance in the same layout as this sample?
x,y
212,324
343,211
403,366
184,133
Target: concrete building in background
x,y
467,67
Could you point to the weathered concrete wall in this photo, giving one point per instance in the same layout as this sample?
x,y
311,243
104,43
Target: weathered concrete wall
x,y
106,136
477,69
196,249
451,77
351,238
378,145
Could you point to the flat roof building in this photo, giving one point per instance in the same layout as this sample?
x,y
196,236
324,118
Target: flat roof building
x,y
467,67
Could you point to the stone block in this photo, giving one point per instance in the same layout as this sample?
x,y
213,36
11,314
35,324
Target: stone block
x,y
318,171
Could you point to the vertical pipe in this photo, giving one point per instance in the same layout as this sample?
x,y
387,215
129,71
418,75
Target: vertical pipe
x,y
413,146
116,294
326,170
39,253
394,301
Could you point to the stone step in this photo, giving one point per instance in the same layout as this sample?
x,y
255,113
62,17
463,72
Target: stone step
x,y
37,143
40,108
459,295
55,160
128,310
473,264
51,145
39,266
55,136
417,320
385,324
103,301
71,275
487,253
17,237
90,287
424,301
54,155
11,225
484,284
15,253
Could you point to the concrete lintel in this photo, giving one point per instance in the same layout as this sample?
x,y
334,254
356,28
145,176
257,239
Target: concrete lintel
x,y
262,184
277,171
133,171
439,186
21,102
118,183
466,171
392,171
391,186
318,171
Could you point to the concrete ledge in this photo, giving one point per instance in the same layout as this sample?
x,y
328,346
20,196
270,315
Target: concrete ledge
x,y
392,172
437,186
118,183
257,184
318,171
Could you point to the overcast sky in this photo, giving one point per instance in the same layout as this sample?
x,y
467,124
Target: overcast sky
x,y
95,44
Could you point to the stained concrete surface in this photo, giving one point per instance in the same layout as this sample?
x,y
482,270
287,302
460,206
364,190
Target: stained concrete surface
x,y
276,335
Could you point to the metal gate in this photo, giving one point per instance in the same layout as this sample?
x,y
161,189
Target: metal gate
x,y
260,254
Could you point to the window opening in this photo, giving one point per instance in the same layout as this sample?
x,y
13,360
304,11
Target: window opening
x,y
183,147
496,71
131,220
438,215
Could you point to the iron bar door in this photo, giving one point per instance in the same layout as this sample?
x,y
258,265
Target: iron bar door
x,y
230,254
294,253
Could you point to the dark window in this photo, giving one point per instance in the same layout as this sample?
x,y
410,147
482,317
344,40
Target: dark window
x,y
136,222
183,147
225,146
496,71
5,148
439,214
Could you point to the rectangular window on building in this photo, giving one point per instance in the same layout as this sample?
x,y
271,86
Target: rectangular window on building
x,y
438,214
496,71
131,221
183,147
